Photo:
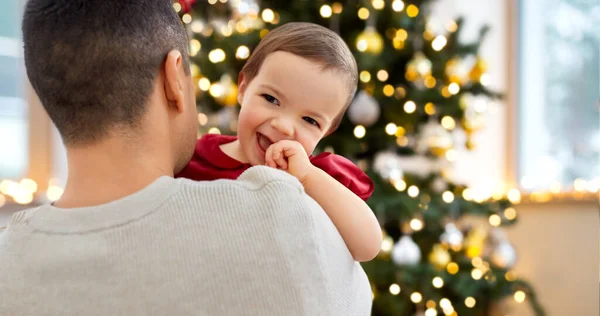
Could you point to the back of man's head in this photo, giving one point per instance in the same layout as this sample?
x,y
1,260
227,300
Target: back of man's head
x,y
93,62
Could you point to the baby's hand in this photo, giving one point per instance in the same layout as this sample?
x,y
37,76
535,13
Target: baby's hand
x,y
290,156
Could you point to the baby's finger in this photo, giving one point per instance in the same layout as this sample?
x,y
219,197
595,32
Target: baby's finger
x,y
280,159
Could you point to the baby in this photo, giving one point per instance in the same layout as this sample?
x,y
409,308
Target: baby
x,y
293,91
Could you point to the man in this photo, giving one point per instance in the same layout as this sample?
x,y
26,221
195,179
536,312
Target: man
x,y
128,239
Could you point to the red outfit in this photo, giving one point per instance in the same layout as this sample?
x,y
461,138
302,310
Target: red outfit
x,y
211,163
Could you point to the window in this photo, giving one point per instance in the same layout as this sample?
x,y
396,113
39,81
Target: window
x,y
559,95
13,107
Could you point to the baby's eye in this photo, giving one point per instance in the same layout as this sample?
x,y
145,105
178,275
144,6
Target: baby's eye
x,y
311,121
270,98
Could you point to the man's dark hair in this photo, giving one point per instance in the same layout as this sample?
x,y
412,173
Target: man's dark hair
x,y
93,62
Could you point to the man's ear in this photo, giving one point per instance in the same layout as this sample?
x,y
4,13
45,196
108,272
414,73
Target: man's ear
x,y
242,86
173,85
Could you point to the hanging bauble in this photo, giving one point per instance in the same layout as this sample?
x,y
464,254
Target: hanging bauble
x,y
504,255
364,109
439,256
475,241
406,252
452,236
435,139
369,41
387,164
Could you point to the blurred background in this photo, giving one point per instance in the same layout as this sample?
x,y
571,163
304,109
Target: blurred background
x,y
478,121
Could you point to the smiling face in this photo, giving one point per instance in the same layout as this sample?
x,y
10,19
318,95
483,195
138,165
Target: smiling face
x,y
291,98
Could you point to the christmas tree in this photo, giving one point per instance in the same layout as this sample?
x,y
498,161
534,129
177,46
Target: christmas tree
x,y
419,88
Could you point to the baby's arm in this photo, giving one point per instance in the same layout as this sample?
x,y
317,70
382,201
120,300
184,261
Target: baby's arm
x,y
349,213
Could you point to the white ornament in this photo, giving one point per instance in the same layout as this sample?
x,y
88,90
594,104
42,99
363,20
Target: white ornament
x,y
434,137
364,109
406,252
387,164
504,255
452,236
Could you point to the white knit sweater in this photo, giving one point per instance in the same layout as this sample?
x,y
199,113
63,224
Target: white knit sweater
x,y
255,246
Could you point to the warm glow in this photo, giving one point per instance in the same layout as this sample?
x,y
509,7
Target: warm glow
x,y
382,75
401,34
495,220
511,276
365,76
467,194
387,244
514,196
510,213
400,185
477,262
186,18
326,11
470,302
412,11
216,90
268,15
476,274
202,119
214,130
216,55
378,4
430,108
362,45
416,224
204,84
242,52
485,79
430,312
448,197
388,90
337,8
452,26
197,26
437,282
397,5
195,47
439,42
429,82
410,107
391,129
448,122
363,13
177,6
54,193
28,185
451,155
520,296
416,297
360,131
445,303
452,268
413,191
454,88
395,289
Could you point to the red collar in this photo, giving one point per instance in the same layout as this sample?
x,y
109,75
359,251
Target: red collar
x,y
209,148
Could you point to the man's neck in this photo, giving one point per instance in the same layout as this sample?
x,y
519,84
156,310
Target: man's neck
x,y
110,170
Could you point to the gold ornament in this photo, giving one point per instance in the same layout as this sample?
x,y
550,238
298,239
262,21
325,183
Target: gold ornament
x,y
439,257
478,69
475,241
419,66
369,41
470,144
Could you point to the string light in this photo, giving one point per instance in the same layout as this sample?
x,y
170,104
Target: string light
x,y
186,18
363,13
410,107
416,297
241,27
448,122
388,90
242,52
451,154
470,302
430,82
453,88
413,191
400,185
337,8
495,220
430,312
520,296
511,276
445,303
448,197
437,282
416,224
212,2
54,193
397,5
204,84
387,244
395,289
378,4
214,130
360,131
476,274
430,108
195,47
412,11
326,11
439,43
216,55
485,79
268,15
514,196
382,75
391,129
452,268
202,119
365,76
177,7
